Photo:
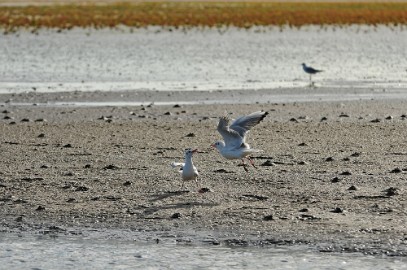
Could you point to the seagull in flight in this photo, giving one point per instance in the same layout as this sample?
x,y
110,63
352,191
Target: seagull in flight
x,y
310,71
187,169
234,144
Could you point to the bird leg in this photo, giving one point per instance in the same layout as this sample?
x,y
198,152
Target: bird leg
x,y
244,165
196,182
251,162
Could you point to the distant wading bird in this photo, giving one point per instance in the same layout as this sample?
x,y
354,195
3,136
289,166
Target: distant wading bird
x,y
188,170
311,71
234,144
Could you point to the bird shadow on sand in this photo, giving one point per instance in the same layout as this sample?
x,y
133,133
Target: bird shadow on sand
x,y
187,205
180,205
168,194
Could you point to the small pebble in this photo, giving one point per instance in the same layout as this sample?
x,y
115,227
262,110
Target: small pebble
x,y
396,170
392,191
40,208
127,183
352,188
294,120
345,173
329,159
19,219
176,215
111,167
268,218
335,180
377,120
204,190
308,217
337,210
82,188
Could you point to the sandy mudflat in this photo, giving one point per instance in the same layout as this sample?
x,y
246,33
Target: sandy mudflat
x,y
332,174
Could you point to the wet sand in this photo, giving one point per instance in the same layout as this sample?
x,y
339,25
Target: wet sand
x,y
332,174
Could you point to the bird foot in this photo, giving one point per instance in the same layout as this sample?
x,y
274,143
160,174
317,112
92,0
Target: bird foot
x,y
252,163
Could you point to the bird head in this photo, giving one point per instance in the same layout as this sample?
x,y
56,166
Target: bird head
x,y
189,152
218,145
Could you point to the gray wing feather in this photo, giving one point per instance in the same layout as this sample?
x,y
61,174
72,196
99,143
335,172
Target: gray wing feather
x,y
231,137
243,124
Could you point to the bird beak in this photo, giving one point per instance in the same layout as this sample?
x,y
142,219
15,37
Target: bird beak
x,y
195,151
213,145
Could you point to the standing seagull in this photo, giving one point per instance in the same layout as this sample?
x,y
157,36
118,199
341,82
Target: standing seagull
x,y
234,145
188,170
310,71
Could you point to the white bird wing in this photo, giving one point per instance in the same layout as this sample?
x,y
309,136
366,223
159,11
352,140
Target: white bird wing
x,y
231,137
243,124
177,164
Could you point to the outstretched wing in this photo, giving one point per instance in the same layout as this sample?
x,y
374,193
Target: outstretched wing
x,y
243,124
178,164
230,136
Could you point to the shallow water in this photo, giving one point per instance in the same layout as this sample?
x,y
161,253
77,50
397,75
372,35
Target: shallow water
x,y
202,59
62,252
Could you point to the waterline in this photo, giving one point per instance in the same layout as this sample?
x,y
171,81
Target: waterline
x,y
61,252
